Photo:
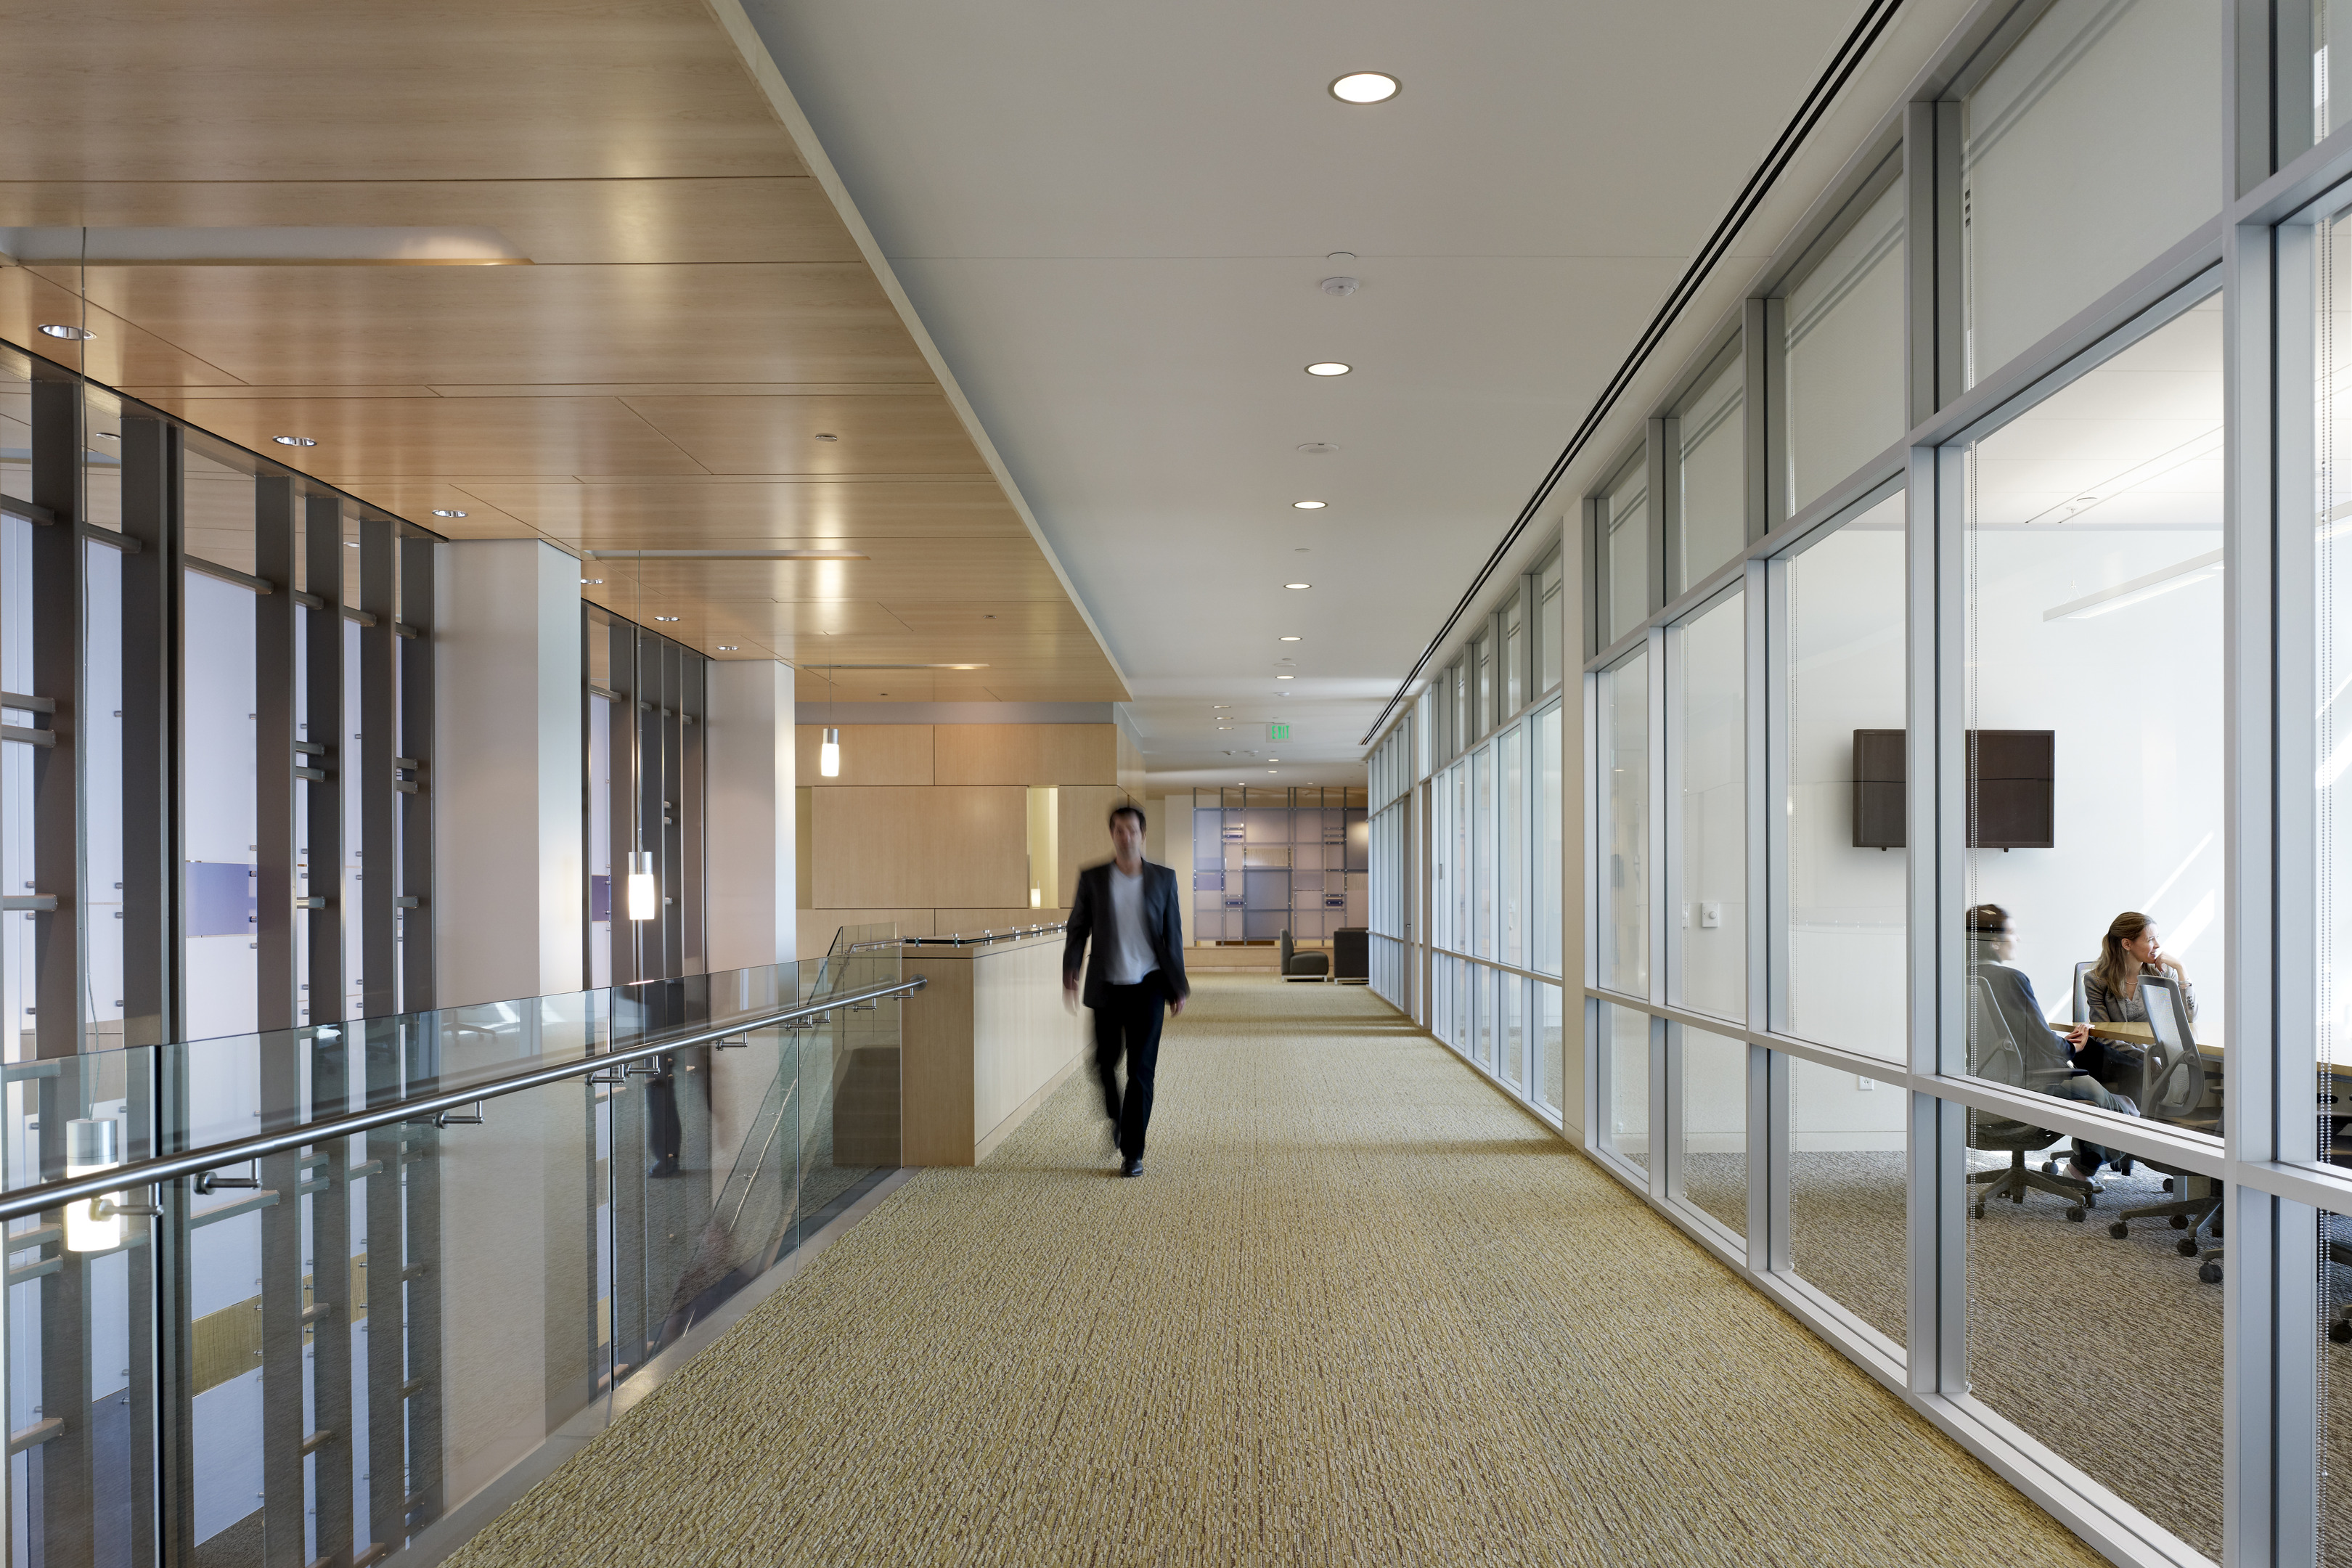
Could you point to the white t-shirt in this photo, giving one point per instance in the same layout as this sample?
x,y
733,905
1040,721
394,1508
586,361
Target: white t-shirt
x,y
1130,958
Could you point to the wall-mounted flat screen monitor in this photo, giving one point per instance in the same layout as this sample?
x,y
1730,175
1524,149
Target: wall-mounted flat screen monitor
x,y
2012,777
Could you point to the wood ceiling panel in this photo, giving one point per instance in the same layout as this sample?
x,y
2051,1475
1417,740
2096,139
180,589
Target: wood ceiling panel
x,y
1032,617
551,221
749,514
365,437
283,89
314,326
122,354
912,435
695,313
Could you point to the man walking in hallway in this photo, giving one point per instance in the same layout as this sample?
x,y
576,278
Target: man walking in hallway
x,y
1130,908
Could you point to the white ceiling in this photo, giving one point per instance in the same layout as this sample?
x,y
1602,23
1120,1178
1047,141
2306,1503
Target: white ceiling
x,y
1113,221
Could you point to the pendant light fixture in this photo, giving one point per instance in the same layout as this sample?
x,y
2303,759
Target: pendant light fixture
x,y
645,894
828,755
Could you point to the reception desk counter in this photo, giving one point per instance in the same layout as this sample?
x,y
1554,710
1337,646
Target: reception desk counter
x,y
988,1040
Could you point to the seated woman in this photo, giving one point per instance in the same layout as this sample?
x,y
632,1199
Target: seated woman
x,y
2054,1062
2131,949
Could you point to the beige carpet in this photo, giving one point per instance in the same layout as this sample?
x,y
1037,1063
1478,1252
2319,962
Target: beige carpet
x,y
1359,1309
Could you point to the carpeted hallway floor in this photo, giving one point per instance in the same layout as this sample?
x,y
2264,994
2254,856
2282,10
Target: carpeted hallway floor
x,y
1358,1309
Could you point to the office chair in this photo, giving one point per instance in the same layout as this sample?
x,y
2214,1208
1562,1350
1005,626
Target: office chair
x,y
2178,1086
2082,994
1994,1051
1296,965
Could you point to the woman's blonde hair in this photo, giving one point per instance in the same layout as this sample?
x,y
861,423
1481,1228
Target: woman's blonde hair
x,y
2118,970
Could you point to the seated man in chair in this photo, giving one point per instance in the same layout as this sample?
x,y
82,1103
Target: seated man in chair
x,y
2056,1064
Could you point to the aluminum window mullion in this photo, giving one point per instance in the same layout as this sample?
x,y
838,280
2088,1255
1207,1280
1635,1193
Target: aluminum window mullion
x,y
152,804
274,665
417,921
2269,1345
1935,655
325,725
379,735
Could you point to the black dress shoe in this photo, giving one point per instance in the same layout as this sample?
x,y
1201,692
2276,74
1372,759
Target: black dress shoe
x,y
663,1169
1131,1167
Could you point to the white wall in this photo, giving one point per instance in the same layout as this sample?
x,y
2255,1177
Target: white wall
x,y
2135,696
509,900
1171,822
749,757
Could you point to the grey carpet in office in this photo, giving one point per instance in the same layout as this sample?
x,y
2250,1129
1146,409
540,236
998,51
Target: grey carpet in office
x,y
1358,1309
2107,1351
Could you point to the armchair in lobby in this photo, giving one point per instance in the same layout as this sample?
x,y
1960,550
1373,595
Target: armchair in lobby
x,y
1296,965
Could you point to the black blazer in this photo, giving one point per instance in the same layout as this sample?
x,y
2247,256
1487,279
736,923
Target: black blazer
x,y
1163,927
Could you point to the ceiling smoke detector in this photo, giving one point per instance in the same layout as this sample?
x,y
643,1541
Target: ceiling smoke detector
x,y
1339,288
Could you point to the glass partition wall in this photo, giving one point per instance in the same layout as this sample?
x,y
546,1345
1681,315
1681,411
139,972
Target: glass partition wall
x,y
1467,800
1954,801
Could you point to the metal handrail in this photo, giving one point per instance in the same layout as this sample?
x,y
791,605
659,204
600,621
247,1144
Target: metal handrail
x,y
167,1167
982,939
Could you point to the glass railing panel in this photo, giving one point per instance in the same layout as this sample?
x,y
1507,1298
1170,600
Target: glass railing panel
x,y
341,1341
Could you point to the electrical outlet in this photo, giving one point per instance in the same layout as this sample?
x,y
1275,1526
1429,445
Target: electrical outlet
x,y
1710,915
1861,1082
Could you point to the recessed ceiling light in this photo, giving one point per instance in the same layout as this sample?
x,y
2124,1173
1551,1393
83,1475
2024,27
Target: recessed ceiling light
x,y
1366,87
294,440
1307,505
664,617
1285,677
1328,367
731,647
350,544
826,436
1290,640
108,436
446,511
1298,585
599,582
1318,449
59,330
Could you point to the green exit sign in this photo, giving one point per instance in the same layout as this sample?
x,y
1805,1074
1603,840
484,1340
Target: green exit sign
x,y
1277,731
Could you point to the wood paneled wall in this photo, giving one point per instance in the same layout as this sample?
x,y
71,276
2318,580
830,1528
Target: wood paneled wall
x,y
927,827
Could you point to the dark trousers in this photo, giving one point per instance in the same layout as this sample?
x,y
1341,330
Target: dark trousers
x,y
1128,1022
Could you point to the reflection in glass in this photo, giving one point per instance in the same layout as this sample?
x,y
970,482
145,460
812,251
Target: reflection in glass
x,y
2093,556
1547,842
1846,910
1625,512
2334,1405
2139,1412
1713,526
1482,852
2332,724
2131,89
1511,845
1624,766
1844,335
1510,1032
1626,1043
1707,756
1715,1126
1847,1182
1550,1064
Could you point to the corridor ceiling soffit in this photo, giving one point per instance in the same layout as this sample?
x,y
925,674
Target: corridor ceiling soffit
x,y
687,348
1116,232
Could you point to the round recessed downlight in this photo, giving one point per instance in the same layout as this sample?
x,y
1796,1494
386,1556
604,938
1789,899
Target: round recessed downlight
x,y
826,436
70,333
294,440
1366,87
446,511
1328,367
731,647
1318,449
1290,640
1298,585
1307,505
665,617
1285,677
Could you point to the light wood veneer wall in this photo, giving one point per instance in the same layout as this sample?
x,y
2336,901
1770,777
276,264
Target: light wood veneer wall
x,y
926,824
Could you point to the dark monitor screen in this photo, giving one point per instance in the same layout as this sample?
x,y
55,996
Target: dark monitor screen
x,y
2012,783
